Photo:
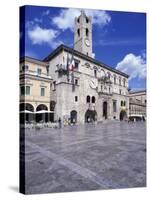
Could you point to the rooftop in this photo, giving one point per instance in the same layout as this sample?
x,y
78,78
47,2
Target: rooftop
x,y
63,47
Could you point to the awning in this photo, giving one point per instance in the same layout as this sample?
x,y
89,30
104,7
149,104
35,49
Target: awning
x,y
26,111
135,115
43,111
37,112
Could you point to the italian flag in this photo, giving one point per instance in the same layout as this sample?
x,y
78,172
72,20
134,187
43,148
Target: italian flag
x,y
72,64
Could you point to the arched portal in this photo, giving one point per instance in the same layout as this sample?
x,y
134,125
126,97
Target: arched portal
x,y
26,113
73,116
90,116
105,109
123,115
41,114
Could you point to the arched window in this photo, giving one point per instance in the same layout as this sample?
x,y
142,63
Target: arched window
x,y
95,72
120,81
78,20
87,20
122,103
78,31
114,79
88,99
87,32
41,107
108,75
124,82
93,99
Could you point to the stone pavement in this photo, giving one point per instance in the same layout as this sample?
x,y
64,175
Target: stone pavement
x,y
86,157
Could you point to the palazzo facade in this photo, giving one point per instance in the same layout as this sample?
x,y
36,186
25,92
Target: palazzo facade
x,y
81,89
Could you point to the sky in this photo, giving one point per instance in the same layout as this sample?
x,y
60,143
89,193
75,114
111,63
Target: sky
x,y
119,38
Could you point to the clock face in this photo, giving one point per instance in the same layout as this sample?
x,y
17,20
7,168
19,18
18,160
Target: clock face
x,y
87,42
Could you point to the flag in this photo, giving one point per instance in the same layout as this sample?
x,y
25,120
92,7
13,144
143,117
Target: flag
x,y
72,64
67,67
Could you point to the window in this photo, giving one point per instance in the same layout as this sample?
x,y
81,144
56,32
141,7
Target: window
x,y
119,91
122,103
76,65
88,99
101,88
78,20
109,89
78,31
54,85
119,81
114,106
42,91
25,68
93,99
87,20
47,70
76,81
22,90
124,82
76,98
39,71
108,75
87,32
114,79
95,72
27,90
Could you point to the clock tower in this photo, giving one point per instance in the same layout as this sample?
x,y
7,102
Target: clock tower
x,y
83,34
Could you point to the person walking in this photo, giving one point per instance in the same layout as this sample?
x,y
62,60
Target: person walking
x,y
59,122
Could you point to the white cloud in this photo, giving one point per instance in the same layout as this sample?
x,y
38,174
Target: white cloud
x,y
121,42
133,65
38,20
45,13
65,20
40,35
93,55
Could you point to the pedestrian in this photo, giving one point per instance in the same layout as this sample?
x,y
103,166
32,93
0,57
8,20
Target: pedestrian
x,y
59,122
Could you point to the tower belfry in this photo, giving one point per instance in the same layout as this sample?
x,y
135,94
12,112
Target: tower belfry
x,y
83,34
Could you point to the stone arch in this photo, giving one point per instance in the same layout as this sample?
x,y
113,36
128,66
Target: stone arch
x,y
26,106
41,107
88,99
26,113
90,116
123,115
93,99
42,117
105,109
73,116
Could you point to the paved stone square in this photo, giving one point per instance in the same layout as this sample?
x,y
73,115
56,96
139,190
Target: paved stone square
x,y
86,157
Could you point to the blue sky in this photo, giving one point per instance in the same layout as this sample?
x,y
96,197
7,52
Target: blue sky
x,y
119,38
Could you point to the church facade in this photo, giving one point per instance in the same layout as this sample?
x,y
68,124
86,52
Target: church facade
x,y
83,89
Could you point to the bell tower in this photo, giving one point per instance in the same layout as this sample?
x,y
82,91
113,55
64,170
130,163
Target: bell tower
x,y
83,34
